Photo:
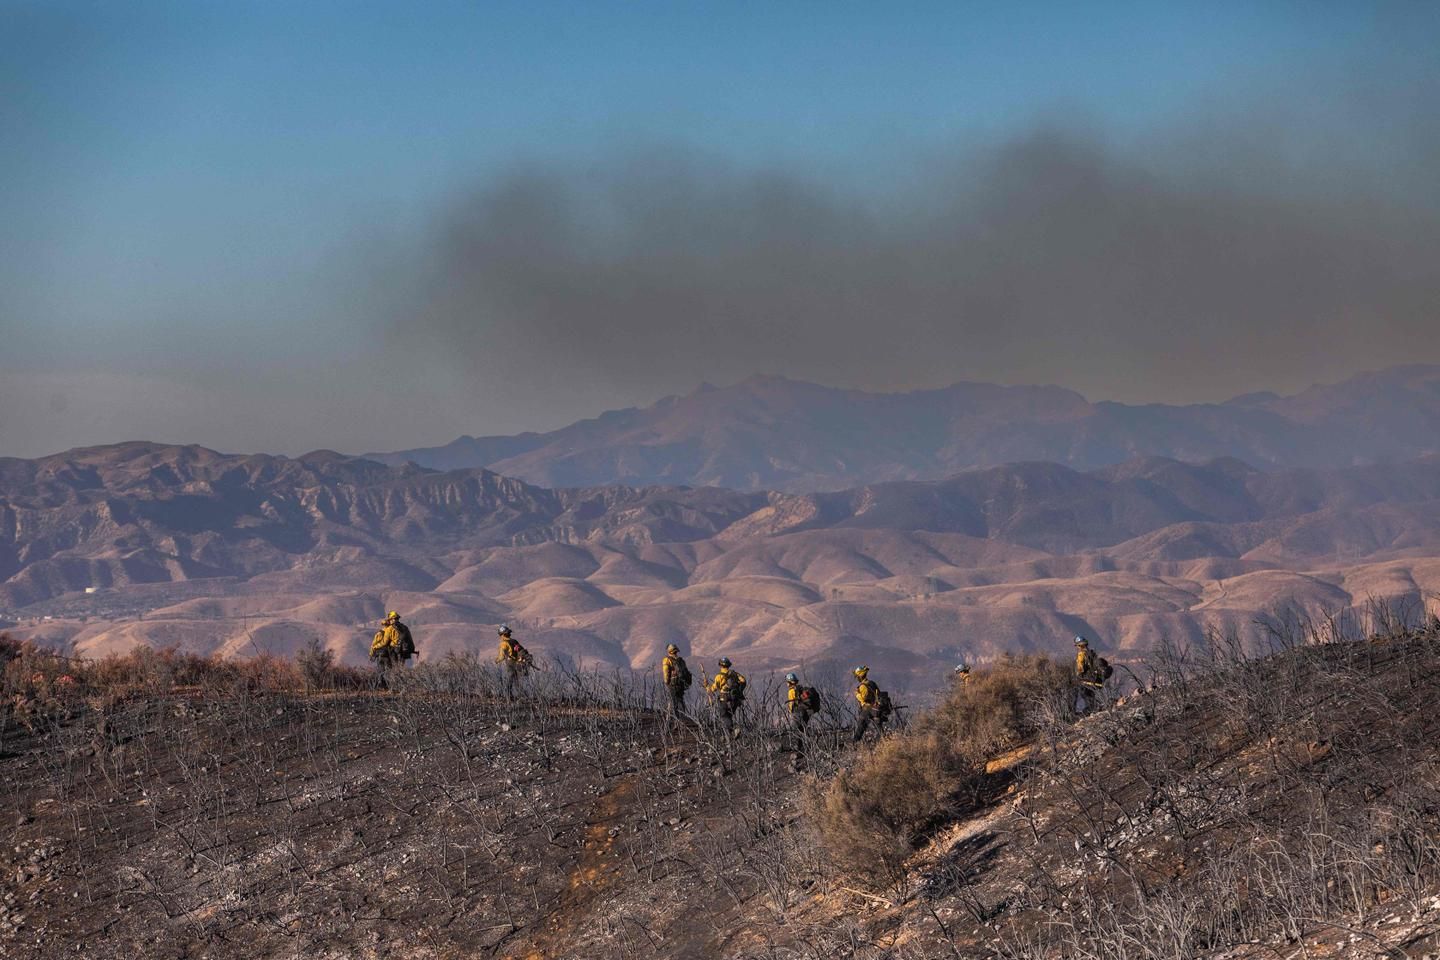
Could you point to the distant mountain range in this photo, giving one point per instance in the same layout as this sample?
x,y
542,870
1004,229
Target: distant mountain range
x,y
769,433
232,554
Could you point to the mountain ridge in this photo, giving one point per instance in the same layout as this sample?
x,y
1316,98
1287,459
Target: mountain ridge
x,y
781,434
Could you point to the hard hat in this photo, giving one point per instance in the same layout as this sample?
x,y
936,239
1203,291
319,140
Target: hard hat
x,y
1081,642
672,649
394,615
504,629
861,671
962,667
724,661
791,678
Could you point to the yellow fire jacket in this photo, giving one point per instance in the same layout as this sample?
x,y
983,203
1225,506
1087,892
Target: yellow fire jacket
x,y
868,693
1087,668
671,669
511,650
727,683
386,640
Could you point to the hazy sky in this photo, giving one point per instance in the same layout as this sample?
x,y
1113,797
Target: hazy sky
x,y
281,226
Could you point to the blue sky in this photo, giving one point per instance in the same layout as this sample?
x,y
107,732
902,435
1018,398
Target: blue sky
x,y
197,200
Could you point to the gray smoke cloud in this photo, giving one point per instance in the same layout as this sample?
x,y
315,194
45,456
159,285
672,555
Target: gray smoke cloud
x,y
1193,266
1265,252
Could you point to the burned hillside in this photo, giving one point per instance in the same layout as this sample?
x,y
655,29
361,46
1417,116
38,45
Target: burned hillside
x,y
167,806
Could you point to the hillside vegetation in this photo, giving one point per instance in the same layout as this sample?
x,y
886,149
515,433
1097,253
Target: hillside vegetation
x,y
167,806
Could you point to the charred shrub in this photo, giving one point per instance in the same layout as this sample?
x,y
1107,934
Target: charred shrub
x,y
34,681
320,671
10,648
145,670
316,663
870,815
1001,707
30,675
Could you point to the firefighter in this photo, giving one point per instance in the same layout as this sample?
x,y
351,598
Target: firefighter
x,y
873,704
802,702
515,659
728,691
676,676
1091,672
385,649
406,644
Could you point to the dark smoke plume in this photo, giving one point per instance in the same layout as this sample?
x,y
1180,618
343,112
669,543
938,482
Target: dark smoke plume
x,y
1195,269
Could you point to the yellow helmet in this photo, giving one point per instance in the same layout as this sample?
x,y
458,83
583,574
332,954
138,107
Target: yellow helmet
x,y
394,615
860,672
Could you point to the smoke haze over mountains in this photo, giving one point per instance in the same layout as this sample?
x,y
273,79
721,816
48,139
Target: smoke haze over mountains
x,y
256,236
1126,272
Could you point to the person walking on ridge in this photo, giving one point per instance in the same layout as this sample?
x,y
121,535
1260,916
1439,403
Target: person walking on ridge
x,y
391,646
1091,672
874,704
728,689
515,659
804,704
676,676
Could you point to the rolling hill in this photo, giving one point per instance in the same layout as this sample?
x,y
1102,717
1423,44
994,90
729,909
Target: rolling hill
x,y
102,549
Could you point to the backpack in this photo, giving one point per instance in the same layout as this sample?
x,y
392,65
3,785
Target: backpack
x,y
407,642
735,686
682,674
809,699
882,707
1105,670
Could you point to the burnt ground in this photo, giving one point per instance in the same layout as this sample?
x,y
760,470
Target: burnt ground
x,y
370,825
1281,807
1286,807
